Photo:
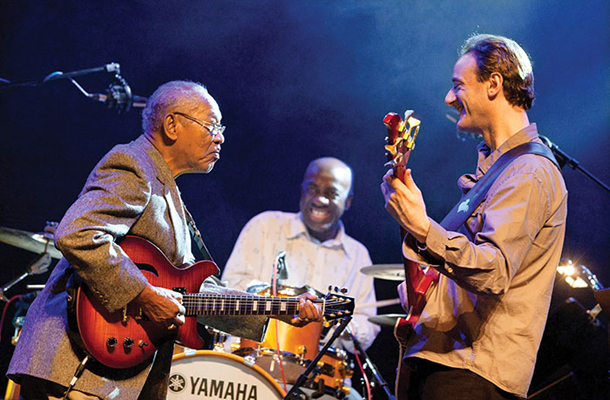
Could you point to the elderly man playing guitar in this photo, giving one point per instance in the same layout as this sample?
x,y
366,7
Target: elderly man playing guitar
x,y
72,345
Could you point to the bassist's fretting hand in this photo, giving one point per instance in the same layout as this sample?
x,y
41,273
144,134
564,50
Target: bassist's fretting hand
x,y
404,201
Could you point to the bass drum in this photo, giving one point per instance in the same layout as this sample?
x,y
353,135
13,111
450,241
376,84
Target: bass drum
x,y
215,375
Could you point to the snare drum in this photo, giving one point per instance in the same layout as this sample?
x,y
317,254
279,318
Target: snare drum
x,y
215,375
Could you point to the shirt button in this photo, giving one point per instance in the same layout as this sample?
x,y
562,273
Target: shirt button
x,y
449,269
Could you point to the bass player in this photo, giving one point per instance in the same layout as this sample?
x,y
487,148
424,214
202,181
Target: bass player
x,y
481,326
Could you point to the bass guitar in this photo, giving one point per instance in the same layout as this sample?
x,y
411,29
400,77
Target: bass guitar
x,y
400,143
125,338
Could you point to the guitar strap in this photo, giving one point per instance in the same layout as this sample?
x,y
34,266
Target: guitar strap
x,y
196,235
475,196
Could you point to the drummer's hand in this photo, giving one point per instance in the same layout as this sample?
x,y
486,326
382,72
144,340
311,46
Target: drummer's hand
x,y
402,294
308,311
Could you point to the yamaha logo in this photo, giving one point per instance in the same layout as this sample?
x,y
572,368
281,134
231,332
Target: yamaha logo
x,y
177,383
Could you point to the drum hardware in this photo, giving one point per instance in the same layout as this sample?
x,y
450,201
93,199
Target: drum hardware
x,y
265,289
219,339
41,243
292,393
390,272
18,324
286,351
35,242
39,266
375,372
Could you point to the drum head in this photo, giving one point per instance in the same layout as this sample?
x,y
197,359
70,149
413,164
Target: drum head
x,y
214,375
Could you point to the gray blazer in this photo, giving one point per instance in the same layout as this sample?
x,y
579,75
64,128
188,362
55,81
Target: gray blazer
x,y
131,190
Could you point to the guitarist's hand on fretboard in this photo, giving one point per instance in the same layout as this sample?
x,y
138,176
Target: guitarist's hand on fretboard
x,y
308,311
161,306
404,201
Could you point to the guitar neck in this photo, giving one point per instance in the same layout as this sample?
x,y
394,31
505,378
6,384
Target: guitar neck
x,y
214,304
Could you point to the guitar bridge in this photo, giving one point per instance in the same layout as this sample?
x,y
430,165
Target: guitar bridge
x,y
124,316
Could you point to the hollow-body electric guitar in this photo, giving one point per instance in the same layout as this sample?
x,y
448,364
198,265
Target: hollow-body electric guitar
x,y
125,338
400,143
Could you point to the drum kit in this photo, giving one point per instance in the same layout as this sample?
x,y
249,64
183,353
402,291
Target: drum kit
x,y
270,367
263,370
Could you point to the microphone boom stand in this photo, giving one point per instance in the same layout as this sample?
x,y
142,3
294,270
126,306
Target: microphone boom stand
x,y
378,378
564,158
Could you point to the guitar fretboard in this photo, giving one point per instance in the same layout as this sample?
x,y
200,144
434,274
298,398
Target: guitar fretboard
x,y
211,304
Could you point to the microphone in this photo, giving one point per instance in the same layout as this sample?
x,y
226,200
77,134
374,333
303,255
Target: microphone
x,y
118,96
282,266
453,116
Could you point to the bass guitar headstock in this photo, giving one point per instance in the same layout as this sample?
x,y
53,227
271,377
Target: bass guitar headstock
x,y
400,140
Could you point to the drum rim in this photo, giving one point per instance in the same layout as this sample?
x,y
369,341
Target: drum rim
x,y
234,357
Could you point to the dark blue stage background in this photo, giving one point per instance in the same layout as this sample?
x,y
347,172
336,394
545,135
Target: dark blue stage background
x,y
295,81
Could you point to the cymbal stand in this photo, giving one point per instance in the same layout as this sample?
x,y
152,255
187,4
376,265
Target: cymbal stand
x,y
292,393
378,378
38,266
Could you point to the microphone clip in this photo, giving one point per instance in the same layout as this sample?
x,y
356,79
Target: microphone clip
x,y
119,96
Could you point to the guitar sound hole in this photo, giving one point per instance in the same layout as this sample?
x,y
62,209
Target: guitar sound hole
x,y
148,267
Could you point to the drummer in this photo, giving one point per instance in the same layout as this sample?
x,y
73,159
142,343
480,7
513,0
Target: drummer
x,y
319,253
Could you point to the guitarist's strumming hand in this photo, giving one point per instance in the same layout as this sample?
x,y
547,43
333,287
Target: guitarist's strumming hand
x,y
162,306
404,201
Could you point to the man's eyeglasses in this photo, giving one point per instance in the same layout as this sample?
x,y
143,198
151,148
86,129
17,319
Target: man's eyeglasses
x,y
214,128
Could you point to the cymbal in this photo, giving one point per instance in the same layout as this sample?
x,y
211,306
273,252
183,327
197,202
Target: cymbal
x,y
386,319
390,272
34,242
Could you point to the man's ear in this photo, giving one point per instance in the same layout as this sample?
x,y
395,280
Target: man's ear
x,y
348,202
494,85
170,128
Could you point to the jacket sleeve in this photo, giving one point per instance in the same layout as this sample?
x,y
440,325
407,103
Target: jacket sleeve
x,y
114,197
